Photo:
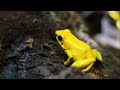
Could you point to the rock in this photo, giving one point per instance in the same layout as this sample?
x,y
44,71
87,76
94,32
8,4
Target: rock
x,y
30,41
30,50
71,73
9,72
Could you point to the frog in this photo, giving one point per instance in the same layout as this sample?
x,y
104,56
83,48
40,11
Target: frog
x,y
115,15
80,54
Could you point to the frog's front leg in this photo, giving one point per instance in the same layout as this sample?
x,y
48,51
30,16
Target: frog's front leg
x,y
70,56
81,64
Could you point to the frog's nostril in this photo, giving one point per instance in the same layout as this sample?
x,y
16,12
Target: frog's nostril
x,y
56,32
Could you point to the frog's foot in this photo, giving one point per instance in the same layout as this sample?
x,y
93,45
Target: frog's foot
x,y
81,64
67,62
97,55
88,68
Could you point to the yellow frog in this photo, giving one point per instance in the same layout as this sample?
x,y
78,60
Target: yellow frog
x,y
116,16
79,53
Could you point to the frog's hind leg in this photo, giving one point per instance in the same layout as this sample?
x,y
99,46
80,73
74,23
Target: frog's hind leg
x,y
97,55
81,64
88,68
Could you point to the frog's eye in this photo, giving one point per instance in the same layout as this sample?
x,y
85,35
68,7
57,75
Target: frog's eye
x,y
59,38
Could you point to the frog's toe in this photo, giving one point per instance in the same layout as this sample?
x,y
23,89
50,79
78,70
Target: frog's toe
x,y
65,63
88,68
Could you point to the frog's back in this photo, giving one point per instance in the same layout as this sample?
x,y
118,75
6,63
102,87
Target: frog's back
x,y
75,41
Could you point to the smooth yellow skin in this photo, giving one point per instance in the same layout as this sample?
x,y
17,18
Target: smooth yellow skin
x,y
116,16
79,53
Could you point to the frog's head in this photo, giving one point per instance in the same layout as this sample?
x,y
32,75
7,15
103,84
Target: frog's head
x,y
61,37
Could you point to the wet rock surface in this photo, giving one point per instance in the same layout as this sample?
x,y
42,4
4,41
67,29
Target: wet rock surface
x,y
29,50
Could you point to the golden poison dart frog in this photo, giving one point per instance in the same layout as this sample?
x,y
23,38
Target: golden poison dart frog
x,y
116,16
80,54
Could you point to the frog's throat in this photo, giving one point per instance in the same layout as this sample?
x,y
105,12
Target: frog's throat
x,y
64,48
